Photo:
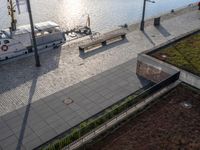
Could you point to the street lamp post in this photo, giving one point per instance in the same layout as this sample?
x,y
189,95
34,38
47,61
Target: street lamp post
x,y
143,14
37,59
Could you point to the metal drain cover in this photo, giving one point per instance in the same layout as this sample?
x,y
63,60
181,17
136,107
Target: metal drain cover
x,y
68,101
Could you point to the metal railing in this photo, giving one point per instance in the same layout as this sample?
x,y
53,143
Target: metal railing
x,y
139,103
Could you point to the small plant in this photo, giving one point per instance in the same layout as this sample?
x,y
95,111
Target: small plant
x,y
83,128
75,134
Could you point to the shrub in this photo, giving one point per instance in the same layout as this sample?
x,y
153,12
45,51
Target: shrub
x,y
91,125
99,121
74,135
65,141
83,128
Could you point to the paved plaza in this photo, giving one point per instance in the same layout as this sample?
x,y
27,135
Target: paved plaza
x,y
31,99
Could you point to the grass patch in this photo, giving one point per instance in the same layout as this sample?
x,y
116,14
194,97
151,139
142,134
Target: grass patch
x,y
184,54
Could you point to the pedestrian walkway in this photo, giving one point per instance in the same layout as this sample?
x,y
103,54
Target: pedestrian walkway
x,y
38,122
31,99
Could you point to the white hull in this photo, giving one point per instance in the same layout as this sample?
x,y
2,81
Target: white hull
x,y
19,42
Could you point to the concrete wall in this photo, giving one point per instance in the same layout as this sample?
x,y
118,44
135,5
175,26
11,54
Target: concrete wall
x,y
152,69
190,78
156,70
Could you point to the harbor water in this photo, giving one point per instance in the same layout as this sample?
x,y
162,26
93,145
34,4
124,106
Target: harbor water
x,y
104,14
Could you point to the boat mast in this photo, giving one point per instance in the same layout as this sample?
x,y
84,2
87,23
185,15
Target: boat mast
x,y
11,12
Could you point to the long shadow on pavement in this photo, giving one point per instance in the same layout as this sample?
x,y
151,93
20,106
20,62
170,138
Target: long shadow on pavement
x,y
27,111
148,37
20,71
163,31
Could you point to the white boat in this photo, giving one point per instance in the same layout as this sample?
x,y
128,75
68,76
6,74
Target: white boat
x,y
18,42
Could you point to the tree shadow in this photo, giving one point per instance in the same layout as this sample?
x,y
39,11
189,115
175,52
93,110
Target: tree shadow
x,y
27,111
102,49
20,71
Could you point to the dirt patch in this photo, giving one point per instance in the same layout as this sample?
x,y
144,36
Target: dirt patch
x,y
167,125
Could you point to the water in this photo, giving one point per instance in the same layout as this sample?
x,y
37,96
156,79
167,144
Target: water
x,y
105,14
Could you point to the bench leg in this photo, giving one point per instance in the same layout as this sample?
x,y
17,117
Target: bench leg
x,y
123,36
81,51
104,43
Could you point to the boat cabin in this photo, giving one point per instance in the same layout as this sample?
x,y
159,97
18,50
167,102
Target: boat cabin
x,y
13,43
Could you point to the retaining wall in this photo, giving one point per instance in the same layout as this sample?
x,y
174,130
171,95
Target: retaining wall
x,y
152,69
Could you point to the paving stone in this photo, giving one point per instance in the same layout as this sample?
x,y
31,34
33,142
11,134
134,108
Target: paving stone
x,y
56,123
93,85
13,147
52,119
29,138
38,125
49,98
45,112
84,89
5,133
11,140
2,124
74,106
33,144
109,95
62,128
48,135
94,110
66,114
38,104
106,104
44,130
14,122
75,121
23,131
77,97
10,115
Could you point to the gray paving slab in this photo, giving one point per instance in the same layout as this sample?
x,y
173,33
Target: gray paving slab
x,y
11,140
5,133
33,143
93,83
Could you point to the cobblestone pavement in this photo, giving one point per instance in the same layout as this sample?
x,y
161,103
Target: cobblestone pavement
x,y
21,83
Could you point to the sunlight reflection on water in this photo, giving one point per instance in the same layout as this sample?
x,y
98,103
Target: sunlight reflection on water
x,y
105,14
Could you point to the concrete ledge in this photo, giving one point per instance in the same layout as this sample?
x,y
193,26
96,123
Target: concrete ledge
x,y
171,41
153,69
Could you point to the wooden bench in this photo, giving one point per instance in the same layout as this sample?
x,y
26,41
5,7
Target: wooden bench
x,y
102,41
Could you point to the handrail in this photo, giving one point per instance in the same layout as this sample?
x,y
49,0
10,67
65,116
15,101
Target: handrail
x,y
137,106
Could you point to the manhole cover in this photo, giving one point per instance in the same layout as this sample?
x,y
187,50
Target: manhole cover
x,y
186,104
68,101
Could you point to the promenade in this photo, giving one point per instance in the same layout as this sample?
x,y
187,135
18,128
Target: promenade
x,y
31,99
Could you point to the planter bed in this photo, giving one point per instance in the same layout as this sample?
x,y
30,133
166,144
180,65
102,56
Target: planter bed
x,y
184,54
172,123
